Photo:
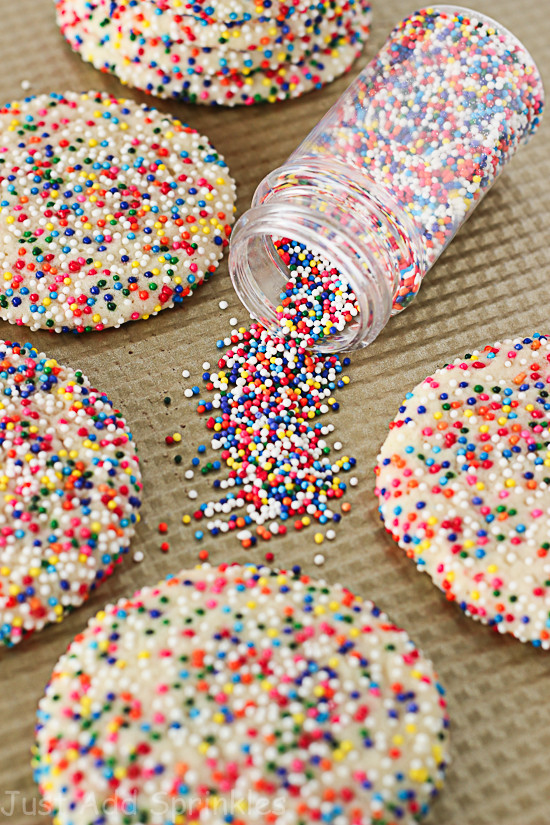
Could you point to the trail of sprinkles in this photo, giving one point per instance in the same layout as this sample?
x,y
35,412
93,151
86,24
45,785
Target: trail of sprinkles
x,y
110,211
221,53
270,392
432,120
269,395
264,418
70,489
464,480
241,694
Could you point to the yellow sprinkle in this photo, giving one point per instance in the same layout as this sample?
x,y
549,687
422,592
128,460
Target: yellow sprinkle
x,y
418,774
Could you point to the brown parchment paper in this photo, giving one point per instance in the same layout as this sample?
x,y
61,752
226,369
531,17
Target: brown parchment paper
x,y
494,281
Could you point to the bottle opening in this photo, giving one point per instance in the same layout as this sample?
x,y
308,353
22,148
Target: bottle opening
x,y
353,232
298,275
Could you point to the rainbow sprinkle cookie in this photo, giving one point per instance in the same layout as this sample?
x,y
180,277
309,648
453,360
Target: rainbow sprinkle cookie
x,y
464,484
240,695
224,52
69,485
110,211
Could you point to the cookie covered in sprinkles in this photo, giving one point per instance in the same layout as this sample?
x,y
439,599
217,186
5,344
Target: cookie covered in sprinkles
x,y
224,52
241,694
463,481
110,211
70,488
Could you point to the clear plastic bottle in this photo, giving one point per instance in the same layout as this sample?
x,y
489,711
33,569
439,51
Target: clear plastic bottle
x,y
385,180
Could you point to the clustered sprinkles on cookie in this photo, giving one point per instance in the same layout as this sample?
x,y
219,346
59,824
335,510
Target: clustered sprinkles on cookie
x,y
241,694
433,120
464,484
109,211
220,52
70,487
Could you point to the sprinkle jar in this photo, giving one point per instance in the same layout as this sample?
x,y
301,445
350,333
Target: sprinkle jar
x,y
388,176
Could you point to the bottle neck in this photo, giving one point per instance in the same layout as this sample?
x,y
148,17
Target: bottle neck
x,y
339,215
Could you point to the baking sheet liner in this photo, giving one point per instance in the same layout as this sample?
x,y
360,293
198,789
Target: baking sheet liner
x,y
493,282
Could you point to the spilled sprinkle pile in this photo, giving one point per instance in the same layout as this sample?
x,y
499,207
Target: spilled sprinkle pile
x,y
270,394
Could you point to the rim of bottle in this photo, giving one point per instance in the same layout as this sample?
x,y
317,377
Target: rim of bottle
x,y
300,212
258,274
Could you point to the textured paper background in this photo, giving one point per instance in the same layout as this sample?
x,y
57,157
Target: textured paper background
x,y
491,283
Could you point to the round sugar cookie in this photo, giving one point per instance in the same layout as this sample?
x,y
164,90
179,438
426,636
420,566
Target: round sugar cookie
x,y
287,81
110,211
166,33
225,62
241,694
209,53
70,488
463,481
